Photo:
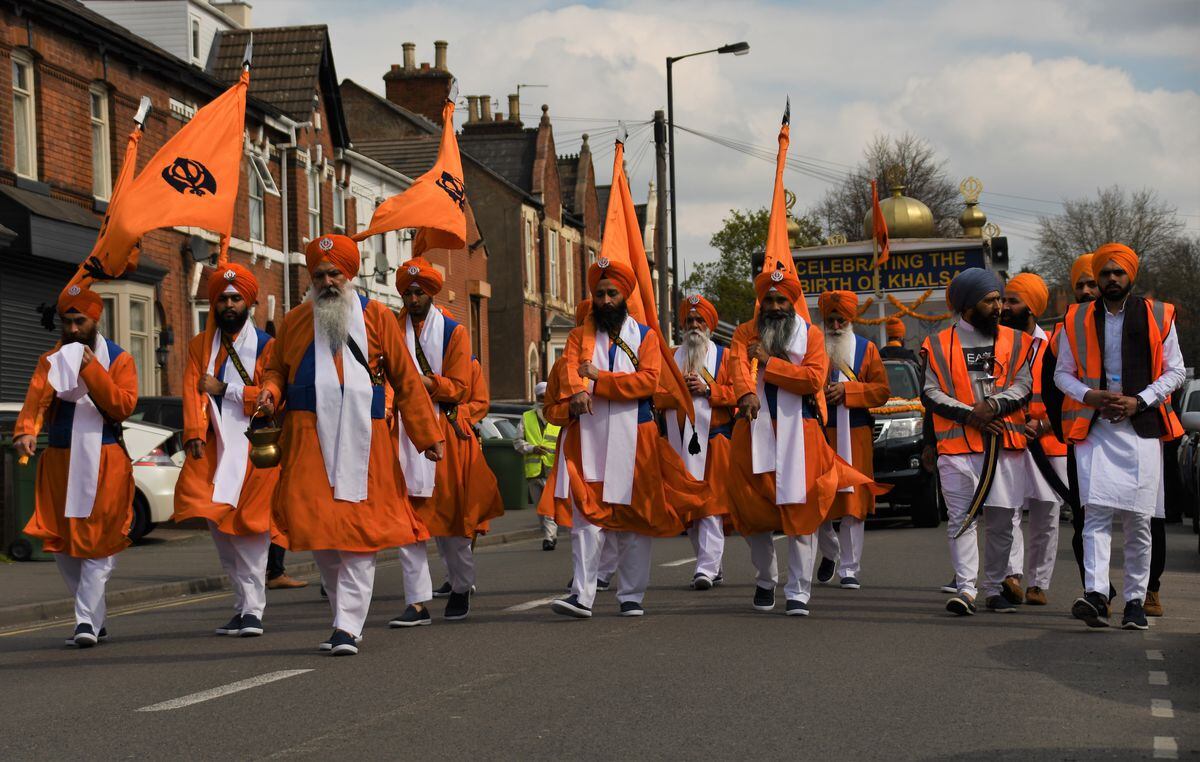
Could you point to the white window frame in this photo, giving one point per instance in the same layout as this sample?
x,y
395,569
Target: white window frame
x,y
256,205
533,369
569,268
552,264
25,165
530,258
194,38
117,322
339,208
259,166
101,153
314,197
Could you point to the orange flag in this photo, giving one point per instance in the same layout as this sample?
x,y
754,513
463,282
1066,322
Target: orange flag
x,y
94,264
778,255
436,202
192,180
879,229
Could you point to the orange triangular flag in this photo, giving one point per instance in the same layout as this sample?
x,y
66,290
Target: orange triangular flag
x,y
778,255
94,264
436,202
879,229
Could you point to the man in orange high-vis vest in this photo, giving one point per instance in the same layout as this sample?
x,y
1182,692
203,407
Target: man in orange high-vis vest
x,y
1118,362
1025,299
977,382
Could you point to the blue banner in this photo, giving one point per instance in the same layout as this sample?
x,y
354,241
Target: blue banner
x,y
904,271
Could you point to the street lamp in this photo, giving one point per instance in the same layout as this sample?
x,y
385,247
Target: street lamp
x,y
738,49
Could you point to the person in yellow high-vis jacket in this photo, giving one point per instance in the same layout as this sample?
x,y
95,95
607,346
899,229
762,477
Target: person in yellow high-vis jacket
x,y
538,442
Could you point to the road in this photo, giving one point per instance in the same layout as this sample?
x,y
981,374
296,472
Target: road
x,y
878,673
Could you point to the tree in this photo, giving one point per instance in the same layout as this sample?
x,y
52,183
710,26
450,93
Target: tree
x,y
843,208
1173,275
1140,220
728,281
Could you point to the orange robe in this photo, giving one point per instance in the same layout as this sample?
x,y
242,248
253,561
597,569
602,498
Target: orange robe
x,y
663,491
752,495
106,531
465,494
556,409
304,509
870,390
194,490
716,467
479,399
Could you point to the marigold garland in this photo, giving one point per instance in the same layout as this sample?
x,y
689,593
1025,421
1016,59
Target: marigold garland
x,y
905,309
898,405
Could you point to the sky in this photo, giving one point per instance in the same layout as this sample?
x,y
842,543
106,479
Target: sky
x,y
1040,99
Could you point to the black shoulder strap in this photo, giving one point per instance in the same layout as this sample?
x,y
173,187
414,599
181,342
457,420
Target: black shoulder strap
x,y
247,379
625,348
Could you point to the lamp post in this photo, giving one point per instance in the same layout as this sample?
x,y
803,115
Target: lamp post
x,y
736,48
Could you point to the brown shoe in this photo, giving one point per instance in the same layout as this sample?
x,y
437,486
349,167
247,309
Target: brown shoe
x,y
284,582
1035,596
1152,606
1012,590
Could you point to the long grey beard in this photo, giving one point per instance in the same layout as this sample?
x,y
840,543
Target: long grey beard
x,y
695,343
840,347
776,334
333,315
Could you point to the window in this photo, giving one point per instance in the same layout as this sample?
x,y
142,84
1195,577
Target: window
x,y
101,164
569,259
130,319
533,371
254,188
24,119
552,260
530,260
381,259
339,209
314,204
195,40
476,326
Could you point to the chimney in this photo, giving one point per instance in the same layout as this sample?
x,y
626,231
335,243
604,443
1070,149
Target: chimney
x,y
439,54
238,12
514,107
499,117
420,89
472,108
410,55
485,108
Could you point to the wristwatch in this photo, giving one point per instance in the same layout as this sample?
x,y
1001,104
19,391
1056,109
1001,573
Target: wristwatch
x,y
1141,405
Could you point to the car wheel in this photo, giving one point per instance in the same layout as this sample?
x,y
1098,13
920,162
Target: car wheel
x,y
925,509
20,550
141,524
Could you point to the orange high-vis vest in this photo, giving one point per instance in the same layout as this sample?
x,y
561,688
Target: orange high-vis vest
x,y
1080,322
1037,407
1011,351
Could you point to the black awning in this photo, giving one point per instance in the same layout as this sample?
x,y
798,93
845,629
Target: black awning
x,y
47,227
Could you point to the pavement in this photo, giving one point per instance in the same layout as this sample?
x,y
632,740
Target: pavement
x,y
878,673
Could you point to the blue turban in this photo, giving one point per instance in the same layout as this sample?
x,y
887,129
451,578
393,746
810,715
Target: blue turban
x,y
970,286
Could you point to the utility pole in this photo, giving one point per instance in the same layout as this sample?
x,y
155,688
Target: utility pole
x,y
665,303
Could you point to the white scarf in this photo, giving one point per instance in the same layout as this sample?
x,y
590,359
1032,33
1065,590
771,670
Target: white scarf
x,y
681,439
344,410
87,426
843,428
608,437
783,443
230,420
420,472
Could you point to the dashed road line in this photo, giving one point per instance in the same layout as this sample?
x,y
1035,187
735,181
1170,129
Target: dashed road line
x,y
1162,708
528,605
1165,748
222,690
680,562
1158,677
1154,654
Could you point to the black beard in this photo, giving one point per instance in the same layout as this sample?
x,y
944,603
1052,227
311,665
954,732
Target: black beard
x,y
1085,299
1115,293
985,325
610,319
231,322
89,340
1018,321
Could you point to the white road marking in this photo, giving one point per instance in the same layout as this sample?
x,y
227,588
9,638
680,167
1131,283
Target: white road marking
x,y
1158,677
680,562
223,690
1165,748
527,605
1162,708
1153,654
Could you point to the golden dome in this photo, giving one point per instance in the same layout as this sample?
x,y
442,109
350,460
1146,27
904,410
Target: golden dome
x,y
906,217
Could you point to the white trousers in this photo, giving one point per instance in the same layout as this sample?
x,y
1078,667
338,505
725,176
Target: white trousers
x,y
244,559
633,567
802,554
460,562
1097,550
629,553
610,554
958,481
1035,558
587,539
844,545
708,542
86,579
349,579
414,565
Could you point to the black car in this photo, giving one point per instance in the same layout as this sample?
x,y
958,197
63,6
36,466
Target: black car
x,y
899,441
164,411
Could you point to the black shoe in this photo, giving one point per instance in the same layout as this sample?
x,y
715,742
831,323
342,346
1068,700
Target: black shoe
x,y
764,598
324,593
232,627
719,578
796,608
603,585
951,587
701,582
825,570
327,645
103,636
570,584
1001,605
343,644
632,608
84,636
549,544
850,583
251,627
443,591
412,618
570,606
1134,617
1092,609
961,605
458,606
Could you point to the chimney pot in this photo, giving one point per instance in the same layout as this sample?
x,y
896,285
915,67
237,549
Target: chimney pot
x,y
424,66
514,107
410,56
395,68
472,108
439,54
499,117
485,108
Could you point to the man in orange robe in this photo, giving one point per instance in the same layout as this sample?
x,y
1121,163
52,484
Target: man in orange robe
x,y
457,497
218,482
706,372
615,468
81,391
341,493
784,476
857,383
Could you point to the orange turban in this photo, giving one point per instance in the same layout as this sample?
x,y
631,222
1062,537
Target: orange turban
x,y
340,250
1082,266
80,299
1120,255
697,303
418,270
782,281
582,310
1032,290
618,272
232,275
895,328
844,303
